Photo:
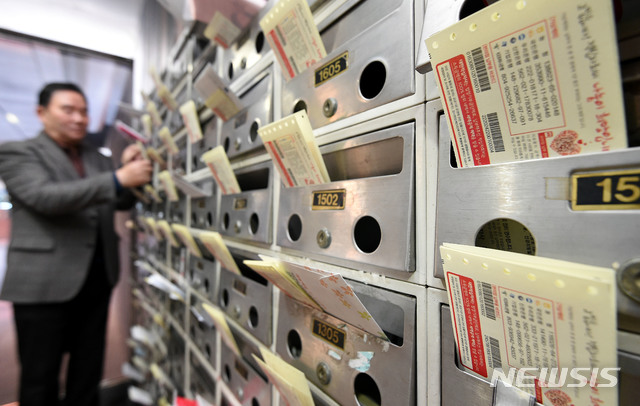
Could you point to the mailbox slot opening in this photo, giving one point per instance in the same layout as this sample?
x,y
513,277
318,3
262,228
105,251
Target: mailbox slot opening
x,y
389,316
379,158
253,180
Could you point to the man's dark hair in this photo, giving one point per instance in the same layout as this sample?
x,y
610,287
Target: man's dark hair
x,y
45,94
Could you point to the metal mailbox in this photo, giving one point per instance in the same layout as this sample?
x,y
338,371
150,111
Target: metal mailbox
x,y
357,366
359,71
239,135
202,382
202,333
203,209
247,215
209,141
202,277
176,358
247,385
247,299
248,49
372,221
525,207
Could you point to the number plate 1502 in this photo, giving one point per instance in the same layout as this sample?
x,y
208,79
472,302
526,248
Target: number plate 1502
x,y
328,200
329,333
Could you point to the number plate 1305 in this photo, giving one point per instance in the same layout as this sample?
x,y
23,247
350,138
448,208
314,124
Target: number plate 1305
x,y
329,333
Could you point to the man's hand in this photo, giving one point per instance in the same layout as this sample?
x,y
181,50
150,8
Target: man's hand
x,y
131,153
135,173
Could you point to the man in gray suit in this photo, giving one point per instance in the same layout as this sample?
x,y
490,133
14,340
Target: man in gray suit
x,y
63,256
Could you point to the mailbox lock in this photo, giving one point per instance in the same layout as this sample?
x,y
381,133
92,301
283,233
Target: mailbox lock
x,y
323,238
236,312
629,278
238,143
240,393
323,373
243,62
238,226
329,107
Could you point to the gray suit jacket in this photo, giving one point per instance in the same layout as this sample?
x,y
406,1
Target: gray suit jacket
x,y
55,219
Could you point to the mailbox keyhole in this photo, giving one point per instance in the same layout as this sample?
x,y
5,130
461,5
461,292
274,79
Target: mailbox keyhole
x,y
366,391
225,298
253,317
367,234
372,79
254,223
294,343
259,42
294,227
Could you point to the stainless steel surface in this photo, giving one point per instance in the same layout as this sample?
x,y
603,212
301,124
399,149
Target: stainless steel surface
x,y
203,335
468,198
389,378
458,387
202,277
511,396
249,387
248,49
378,71
629,378
252,298
177,210
376,170
239,135
209,141
247,215
201,382
176,358
203,209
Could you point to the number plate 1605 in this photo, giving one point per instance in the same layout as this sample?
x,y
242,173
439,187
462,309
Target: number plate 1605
x,y
329,333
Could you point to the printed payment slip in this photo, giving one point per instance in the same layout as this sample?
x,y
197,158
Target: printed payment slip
x,y
293,36
531,79
220,167
216,96
294,151
515,311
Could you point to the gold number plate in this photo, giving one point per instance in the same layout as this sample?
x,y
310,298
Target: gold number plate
x,y
330,334
328,199
607,190
331,69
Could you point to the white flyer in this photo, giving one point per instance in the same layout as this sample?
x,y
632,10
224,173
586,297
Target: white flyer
x,y
293,36
147,125
191,120
213,241
524,80
547,325
224,103
294,151
222,30
220,167
168,186
168,141
153,112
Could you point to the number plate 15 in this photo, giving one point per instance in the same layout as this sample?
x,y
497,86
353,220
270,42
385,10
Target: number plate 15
x,y
611,190
328,200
